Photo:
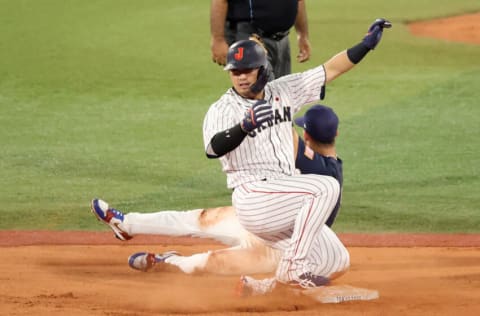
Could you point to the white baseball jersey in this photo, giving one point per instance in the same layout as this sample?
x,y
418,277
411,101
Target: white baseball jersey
x,y
286,210
267,152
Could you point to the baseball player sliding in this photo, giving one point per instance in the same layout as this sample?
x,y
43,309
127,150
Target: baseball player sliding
x,y
248,254
249,130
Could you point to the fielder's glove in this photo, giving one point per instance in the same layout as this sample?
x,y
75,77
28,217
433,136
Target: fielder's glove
x,y
375,33
260,112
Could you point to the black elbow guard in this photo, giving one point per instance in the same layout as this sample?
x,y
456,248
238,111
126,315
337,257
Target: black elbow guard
x,y
225,141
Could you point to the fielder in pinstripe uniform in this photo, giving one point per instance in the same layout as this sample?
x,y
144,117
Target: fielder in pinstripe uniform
x,y
249,130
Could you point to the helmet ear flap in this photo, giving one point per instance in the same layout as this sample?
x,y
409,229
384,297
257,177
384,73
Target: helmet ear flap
x,y
262,79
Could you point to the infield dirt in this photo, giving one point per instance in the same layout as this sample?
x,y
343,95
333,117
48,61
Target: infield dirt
x,y
58,273
461,29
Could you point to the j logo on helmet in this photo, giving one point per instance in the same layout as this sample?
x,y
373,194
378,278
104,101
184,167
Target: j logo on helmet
x,y
239,54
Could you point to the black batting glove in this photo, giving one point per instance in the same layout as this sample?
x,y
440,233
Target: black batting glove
x,y
260,112
375,33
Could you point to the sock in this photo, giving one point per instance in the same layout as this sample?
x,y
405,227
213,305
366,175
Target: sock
x,y
190,264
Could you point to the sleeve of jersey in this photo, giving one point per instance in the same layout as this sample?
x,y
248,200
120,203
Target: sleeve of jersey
x,y
217,119
220,123
306,87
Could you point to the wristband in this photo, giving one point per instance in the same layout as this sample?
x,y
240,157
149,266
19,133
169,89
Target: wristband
x,y
357,52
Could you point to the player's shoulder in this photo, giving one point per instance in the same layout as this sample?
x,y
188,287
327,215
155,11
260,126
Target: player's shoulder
x,y
222,102
284,85
327,160
284,80
309,161
295,81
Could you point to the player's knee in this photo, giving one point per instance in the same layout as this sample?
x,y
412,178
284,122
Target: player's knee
x,y
212,216
335,186
345,259
328,186
342,264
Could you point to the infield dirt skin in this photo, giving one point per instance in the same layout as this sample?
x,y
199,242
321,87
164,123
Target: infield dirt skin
x,y
55,273
460,29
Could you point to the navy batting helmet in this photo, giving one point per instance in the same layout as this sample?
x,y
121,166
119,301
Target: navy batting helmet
x,y
246,54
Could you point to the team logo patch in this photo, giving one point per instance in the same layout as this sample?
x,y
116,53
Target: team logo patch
x,y
239,54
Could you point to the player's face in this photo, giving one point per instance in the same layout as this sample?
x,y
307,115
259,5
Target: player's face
x,y
242,79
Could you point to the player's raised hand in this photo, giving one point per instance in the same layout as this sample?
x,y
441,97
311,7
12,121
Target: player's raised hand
x,y
260,112
375,33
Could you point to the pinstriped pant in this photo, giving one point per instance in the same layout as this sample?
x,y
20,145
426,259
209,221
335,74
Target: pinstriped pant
x,y
289,213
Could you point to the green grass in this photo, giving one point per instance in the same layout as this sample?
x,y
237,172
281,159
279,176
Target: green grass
x,y
107,98
421,162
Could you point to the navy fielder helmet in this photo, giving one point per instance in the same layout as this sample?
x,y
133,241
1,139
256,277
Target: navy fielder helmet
x,y
246,54
320,122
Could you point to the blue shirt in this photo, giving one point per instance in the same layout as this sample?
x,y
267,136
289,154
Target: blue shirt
x,y
311,162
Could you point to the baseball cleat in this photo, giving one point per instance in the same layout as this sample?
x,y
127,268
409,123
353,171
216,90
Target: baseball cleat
x,y
248,286
309,280
144,261
110,216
